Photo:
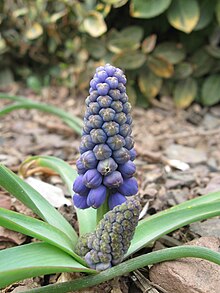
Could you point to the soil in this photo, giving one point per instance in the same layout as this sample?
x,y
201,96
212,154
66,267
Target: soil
x,y
178,159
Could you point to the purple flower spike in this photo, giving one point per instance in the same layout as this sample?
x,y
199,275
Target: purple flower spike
x,y
92,178
106,146
107,166
129,187
80,201
115,200
127,169
97,196
89,160
79,187
113,180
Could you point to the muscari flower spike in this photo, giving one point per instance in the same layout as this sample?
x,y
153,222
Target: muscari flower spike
x,y
105,166
107,246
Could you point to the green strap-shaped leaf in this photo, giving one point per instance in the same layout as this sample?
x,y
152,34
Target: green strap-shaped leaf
x,y
86,218
32,199
23,103
153,228
129,266
183,14
35,259
38,229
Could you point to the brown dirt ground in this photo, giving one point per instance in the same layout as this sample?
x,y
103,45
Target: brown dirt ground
x,y
161,133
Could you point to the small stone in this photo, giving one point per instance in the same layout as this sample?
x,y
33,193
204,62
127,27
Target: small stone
x,y
189,275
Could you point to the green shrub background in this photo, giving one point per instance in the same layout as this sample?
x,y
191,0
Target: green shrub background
x,y
166,47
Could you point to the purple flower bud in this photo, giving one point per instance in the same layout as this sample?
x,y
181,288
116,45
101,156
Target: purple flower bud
x,y
115,94
107,166
80,201
127,169
133,154
129,142
127,107
102,266
101,75
120,76
88,101
79,187
102,88
117,106
128,187
116,142
95,121
87,126
120,118
93,96
124,97
80,167
86,143
98,136
115,199
89,160
107,114
87,114
121,156
113,180
94,82
111,128
89,261
97,196
129,119
125,129
110,69
104,101
121,87
112,82
102,151
94,107
100,68
92,178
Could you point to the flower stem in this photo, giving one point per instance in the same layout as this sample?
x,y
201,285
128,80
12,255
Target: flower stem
x,y
131,265
102,210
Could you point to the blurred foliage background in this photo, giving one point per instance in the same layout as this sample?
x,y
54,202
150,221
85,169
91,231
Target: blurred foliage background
x,y
166,47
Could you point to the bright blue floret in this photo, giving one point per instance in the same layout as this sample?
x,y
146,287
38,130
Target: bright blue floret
x,y
106,166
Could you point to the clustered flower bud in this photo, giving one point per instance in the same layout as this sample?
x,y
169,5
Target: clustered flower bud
x,y
107,153
108,244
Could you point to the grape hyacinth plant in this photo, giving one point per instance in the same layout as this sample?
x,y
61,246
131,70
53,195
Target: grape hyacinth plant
x,y
105,202
105,167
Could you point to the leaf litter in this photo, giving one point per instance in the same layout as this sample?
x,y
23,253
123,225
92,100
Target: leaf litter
x,y
178,159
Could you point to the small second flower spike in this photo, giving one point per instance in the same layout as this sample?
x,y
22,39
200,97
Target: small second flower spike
x,y
109,243
105,166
